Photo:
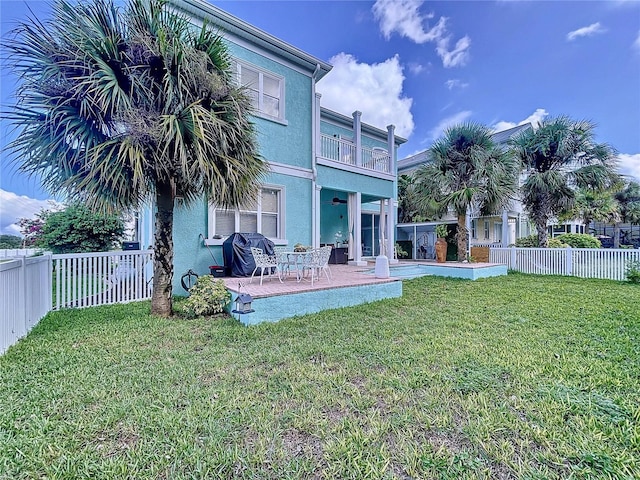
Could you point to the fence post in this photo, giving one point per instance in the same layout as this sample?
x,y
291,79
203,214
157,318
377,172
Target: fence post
x,y
512,261
569,262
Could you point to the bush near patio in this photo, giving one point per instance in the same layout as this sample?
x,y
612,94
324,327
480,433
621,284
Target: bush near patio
x,y
579,240
532,242
507,377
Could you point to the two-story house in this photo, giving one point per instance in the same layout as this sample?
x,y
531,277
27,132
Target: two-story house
x,y
332,177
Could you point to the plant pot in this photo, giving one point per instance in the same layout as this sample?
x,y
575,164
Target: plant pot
x,y
216,270
441,250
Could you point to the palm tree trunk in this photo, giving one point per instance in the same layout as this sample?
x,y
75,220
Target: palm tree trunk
x,y
541,228
161,301
616,235
461,234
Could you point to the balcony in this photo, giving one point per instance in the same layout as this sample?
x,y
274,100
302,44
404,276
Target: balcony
x,y
344,152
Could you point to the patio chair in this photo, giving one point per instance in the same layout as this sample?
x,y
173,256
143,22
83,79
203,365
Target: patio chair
x,y
284,260
264,262
317,262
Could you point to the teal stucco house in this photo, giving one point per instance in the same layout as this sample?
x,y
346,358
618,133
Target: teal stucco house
x,y
332,180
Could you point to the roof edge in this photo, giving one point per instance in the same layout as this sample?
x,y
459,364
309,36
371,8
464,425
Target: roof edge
x,y
202,10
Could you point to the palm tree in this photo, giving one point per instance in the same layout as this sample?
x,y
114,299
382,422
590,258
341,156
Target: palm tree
x,y
466,169
558,157
628,199
118,106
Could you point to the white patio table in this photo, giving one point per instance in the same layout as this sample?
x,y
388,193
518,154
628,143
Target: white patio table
x,y
296,259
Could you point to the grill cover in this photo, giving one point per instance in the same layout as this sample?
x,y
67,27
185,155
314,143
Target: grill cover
x,y
236,250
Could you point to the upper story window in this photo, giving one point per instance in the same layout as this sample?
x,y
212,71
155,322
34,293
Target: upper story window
x,y
261,215
265,89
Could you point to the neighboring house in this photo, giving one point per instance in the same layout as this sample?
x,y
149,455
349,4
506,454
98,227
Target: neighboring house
x,y
496,230
331,176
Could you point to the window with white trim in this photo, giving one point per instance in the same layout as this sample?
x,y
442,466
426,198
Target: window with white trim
x,y
262,215
497,231
265,89
474,229
486,229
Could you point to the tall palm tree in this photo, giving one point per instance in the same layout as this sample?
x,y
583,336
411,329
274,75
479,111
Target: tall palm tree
x,y
466,169
118,106
628,199
557,158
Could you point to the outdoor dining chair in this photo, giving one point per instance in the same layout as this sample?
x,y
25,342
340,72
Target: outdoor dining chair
x,y
264,262
317,263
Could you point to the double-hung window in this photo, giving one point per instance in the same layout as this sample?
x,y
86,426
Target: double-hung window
x,y
265,89
486,229
474,229
497,233
260,215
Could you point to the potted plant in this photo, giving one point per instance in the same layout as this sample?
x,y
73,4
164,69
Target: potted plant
x,y
441,243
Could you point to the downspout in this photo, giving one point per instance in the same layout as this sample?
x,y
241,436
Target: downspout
x,y
315,115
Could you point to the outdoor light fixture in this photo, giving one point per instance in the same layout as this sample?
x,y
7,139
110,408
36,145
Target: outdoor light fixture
x,y
243,303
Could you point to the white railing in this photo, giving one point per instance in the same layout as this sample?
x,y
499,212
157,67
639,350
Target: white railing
x,y
344,151
337,149
376,159
605,263
19,252
25,296
90,279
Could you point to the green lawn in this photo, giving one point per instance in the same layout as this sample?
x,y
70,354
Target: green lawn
x,y
509,377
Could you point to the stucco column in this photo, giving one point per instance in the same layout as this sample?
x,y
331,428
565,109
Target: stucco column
x,y
505,228
315,241
392,213
357,233
357,135
391,146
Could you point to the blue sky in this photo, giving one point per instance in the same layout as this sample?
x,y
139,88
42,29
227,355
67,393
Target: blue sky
x,y
423,65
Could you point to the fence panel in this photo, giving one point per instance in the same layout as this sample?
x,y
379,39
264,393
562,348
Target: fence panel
x,y
25,296
601,263
90,279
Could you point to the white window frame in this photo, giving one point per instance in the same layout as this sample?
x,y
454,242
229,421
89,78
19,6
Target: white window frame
x,y
214,239
487,231
238,65
497,231
474,229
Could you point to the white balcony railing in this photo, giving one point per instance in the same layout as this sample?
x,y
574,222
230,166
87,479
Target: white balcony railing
x,y
344,151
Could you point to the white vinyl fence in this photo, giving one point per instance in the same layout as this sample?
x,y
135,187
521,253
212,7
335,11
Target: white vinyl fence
x,y
32,286
90,279
19,252
605,263
25,296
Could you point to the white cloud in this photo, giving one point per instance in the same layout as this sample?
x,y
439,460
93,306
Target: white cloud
x,y
535,118
404,18
14,207
416,68
447,122
629,164
589,31
375,90
636,44
455,83
457,57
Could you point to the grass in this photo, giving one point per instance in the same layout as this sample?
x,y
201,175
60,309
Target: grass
x,y
510,377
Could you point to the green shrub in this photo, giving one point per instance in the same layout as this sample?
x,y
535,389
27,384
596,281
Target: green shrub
x,y
632,271
532,242
207,297
556,243
527,242
627,247
579,240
